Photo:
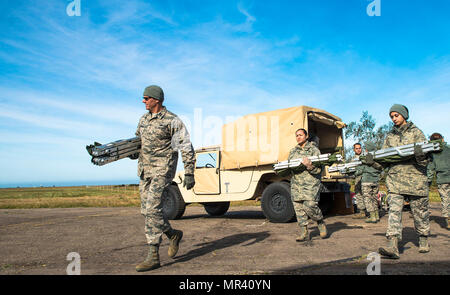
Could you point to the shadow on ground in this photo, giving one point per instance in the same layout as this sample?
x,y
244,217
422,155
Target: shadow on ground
x,y
409,235
334,227
358,266
229,241
244,214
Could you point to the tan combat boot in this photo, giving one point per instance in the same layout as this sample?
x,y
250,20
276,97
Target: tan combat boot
x,y
360,215
372,218
322,229
304,234
377,214
424,247
391,250
175,237
152,260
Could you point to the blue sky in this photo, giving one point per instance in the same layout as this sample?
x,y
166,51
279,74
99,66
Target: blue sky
x,y
67,81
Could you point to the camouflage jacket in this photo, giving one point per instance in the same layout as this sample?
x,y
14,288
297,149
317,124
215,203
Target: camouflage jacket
x,y
358,170
365,173
305,185
370,174
440,163
408,177
162,136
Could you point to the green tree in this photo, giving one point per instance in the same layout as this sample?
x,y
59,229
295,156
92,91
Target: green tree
x,y
365,133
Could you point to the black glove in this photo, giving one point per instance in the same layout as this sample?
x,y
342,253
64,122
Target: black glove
x,y
284,172
418,152
189,181
134,156
368,160
298,169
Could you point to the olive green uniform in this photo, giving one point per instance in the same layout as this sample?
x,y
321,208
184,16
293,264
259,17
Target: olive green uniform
x,y
440,164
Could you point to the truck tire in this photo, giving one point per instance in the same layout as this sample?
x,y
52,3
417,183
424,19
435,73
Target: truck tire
x,y
276,203
216,208
173,203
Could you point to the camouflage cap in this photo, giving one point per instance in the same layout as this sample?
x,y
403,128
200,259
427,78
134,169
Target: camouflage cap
x,y
154,91
401,109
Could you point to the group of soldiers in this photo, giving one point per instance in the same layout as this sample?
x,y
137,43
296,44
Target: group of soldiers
x,y
408,180
163,135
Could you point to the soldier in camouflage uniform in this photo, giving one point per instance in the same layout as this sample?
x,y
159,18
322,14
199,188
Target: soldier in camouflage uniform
x,y
440,164
371,172
305,186
366,187
359,198
407,179
162,135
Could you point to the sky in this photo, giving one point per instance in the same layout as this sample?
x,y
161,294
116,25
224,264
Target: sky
x,y
68,80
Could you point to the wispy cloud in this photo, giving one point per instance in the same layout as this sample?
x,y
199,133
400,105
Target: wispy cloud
x,y
247,26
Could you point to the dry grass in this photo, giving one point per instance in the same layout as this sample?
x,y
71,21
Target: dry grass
x,y
66,197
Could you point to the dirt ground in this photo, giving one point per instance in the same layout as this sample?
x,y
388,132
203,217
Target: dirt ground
x,y
111,241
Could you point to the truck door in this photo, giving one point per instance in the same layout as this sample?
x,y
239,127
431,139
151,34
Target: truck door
x,y
207,173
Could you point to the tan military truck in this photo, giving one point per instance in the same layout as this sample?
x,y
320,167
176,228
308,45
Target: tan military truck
x,y
241,168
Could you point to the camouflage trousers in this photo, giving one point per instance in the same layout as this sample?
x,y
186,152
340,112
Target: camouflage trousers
x,y
369,192
359,197
420,211
151,191
307,208
444,192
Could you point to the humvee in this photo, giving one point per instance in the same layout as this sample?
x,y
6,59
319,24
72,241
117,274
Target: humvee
x,y
241,168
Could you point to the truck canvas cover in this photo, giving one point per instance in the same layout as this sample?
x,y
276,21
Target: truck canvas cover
x,y
266,138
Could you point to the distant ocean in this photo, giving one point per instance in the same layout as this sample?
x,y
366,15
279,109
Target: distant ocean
x,y
67,183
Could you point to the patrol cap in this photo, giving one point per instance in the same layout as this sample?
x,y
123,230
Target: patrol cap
x,y
154,91
401,109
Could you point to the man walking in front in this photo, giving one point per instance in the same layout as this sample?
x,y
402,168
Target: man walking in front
x,y
162,135
406,180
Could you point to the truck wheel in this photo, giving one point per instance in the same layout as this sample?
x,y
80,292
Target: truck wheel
x,y
173,203
276,203
216,208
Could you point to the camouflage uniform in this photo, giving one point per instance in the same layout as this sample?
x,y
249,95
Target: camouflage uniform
x,y
369,187
407,179
359,197
162,135
305,186
370,191
444,192
440,164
